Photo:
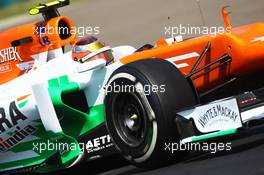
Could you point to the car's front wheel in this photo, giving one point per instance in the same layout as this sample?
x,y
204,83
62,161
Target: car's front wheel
x,y
141,104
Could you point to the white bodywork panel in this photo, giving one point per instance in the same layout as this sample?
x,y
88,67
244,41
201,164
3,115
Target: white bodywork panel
x,y
36,103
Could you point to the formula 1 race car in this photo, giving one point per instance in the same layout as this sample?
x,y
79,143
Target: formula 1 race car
x,y
59,108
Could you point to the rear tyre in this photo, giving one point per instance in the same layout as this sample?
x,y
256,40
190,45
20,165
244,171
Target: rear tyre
x,y
141,108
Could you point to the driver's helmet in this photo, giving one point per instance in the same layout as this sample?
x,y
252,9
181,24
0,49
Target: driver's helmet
x,y
90,48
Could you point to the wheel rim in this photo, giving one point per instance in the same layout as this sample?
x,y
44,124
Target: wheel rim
x,y
130,118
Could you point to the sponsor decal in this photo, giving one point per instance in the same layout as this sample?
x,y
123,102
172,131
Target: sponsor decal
x,y
39,30
22,101
44,41
217,111
5,68
26,66
98,144
13,128
9,54
15,116
215,116
17,136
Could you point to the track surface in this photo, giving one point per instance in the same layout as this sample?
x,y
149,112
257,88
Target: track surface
x,y
135,23
246,157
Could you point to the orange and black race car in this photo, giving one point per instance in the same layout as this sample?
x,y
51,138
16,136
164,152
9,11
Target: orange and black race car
x,y
59,108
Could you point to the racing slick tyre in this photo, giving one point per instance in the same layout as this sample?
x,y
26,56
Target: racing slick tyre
x,y
141,101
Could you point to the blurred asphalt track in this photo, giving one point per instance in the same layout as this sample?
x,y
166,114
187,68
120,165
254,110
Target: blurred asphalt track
x,y
136,22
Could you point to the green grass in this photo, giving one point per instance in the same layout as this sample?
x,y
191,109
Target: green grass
x,y
20,8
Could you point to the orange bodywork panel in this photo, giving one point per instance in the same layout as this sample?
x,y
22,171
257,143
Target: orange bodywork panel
x,y
244,45
44,36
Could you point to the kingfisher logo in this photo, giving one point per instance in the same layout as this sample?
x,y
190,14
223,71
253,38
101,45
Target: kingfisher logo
x,y
9,54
